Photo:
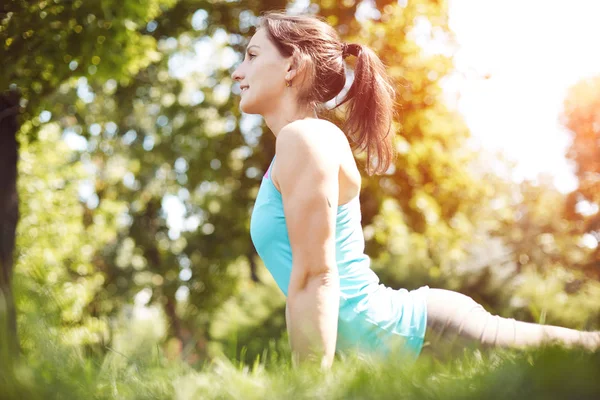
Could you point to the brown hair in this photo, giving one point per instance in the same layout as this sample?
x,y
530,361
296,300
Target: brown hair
x,y
319,52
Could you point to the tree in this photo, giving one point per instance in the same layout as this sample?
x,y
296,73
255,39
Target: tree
x,y
100,43
582,118
546,257
422,214
153,135
9,214
92,35
56,279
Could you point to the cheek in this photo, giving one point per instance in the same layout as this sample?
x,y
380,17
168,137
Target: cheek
x,y
266,84
269,74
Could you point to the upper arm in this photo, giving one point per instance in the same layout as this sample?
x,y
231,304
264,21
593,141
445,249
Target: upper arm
x,y
307,170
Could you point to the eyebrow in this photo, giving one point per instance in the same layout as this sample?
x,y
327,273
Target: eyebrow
x,y
249,47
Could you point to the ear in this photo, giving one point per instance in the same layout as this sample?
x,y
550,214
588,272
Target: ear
x,y
292,68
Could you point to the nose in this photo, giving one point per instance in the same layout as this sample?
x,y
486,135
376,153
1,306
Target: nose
x,y
237,74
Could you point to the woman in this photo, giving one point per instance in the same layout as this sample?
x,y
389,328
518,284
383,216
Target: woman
x,y
308,205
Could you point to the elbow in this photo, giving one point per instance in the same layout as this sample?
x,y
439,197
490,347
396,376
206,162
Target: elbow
x,y
325,277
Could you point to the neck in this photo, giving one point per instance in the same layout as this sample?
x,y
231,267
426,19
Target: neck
x,y
288,111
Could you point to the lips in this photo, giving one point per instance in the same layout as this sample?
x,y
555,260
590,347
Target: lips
x,y
243,88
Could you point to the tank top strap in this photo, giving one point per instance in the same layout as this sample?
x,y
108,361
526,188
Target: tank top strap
x,y
268,173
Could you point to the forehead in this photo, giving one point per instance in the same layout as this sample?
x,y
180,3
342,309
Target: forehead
x,y
260,39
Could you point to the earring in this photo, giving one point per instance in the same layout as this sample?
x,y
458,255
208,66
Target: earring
x,y
288,83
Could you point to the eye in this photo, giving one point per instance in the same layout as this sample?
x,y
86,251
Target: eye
x,y
251,56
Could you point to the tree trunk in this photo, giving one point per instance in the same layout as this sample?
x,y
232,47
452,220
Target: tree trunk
x,y
253,266
9,215
175,326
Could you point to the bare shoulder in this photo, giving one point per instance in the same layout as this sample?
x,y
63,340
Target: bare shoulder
x,y
316,136
319,151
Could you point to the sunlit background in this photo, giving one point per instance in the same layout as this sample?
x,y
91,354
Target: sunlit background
x,y
517,59
137,175
514,66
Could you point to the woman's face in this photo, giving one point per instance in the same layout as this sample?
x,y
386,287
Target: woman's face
x,y
262,75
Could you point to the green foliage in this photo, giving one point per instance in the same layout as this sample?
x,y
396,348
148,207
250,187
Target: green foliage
x,y
582,119
57,370
542,374
54,266
251,324
98,39
136,198
547,256
60,371
558,297
424,212
525,258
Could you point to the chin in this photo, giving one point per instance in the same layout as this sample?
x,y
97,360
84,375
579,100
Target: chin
x,y
249,107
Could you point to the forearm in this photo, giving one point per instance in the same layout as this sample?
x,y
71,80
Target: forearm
x,y
312,318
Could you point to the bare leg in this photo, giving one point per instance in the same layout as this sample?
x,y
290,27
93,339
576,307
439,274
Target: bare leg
x,y
454,317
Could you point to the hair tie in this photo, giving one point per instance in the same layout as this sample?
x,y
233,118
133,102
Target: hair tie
x,y
350,49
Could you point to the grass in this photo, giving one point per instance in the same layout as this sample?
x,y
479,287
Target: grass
x,y
54,371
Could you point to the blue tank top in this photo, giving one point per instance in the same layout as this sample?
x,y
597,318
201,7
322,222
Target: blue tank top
x,y
373,318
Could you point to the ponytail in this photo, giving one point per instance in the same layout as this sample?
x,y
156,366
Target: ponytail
x,y
370,109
